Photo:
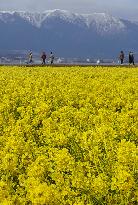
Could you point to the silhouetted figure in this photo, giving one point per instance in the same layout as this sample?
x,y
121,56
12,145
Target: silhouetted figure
x,y
131,58
51,58
121,57
43,58
30,57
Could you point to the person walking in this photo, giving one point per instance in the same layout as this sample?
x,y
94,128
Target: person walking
x,y
121,57
51,58
43,56
30,57
131,58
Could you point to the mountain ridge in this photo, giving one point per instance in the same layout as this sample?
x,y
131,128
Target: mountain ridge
x,y
37,18
67,33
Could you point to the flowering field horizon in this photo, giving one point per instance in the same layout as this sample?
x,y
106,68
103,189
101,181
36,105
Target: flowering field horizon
x,y
68,136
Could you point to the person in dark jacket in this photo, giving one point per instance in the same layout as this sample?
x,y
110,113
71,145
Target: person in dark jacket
x,y
131,58
121,57
43,56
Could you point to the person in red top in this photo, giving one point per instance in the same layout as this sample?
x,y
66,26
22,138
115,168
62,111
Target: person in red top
x,y
43,56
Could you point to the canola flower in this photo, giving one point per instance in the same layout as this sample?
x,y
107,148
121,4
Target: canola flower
x,y
68,136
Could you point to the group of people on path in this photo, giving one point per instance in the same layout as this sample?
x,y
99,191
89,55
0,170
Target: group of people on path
x,y
130,56
51,57
43,58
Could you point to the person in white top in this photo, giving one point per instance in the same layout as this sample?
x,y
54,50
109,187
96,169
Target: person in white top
x,y
30,57
51,58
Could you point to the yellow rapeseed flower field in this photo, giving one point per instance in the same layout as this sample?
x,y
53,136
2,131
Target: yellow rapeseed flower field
x,y
68,136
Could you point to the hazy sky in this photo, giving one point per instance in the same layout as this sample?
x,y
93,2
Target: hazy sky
x,y
127,9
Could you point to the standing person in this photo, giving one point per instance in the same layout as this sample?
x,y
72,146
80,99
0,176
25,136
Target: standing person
x,y
43,56
121,57
51,58
131,58
30,57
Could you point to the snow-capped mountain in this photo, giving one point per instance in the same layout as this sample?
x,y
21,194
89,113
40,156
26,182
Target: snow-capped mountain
x,y
104,23
66,32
